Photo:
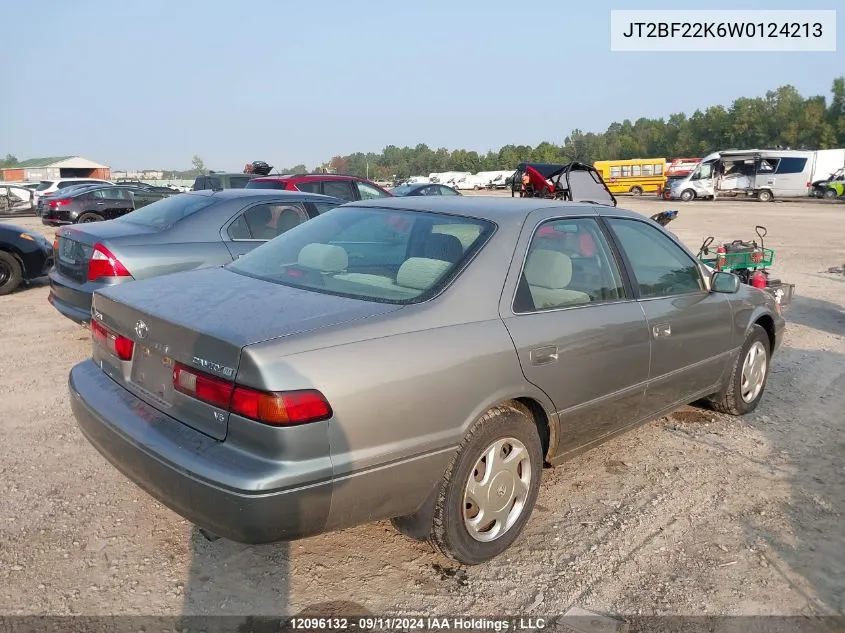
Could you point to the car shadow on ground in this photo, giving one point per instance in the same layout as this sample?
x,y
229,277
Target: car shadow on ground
x,y
818,314
809,551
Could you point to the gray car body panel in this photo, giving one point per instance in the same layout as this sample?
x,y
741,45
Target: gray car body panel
x,y
405,382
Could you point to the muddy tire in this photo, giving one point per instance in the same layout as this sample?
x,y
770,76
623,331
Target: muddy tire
x,y
488,491
11,273
90,217
749,374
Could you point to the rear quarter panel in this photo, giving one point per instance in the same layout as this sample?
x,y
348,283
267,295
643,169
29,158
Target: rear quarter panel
x,y
155,259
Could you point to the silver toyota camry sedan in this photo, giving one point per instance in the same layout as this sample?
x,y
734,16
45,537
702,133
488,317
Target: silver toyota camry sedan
x,y
419,359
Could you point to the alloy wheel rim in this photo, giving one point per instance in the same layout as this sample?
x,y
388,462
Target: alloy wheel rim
x,y
753,372
497,489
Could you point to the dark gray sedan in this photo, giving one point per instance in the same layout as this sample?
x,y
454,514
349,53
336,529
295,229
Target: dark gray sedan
x,y
415,358
182,232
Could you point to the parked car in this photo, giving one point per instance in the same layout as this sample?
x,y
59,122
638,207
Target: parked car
x,y
395,365
16,200
24,255
182,232
347,188
424,190
94,203
216,181
146,185
47,187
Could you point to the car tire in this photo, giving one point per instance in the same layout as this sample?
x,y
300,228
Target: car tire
x,y
829,194
454,529
746,385
637,191
687,195
11,273
765,195
89,217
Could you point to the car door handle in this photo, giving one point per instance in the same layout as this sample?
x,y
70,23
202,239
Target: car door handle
x,y
101,203
544,355
661,330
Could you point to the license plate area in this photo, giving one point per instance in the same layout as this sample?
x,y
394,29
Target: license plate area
x,y
68,251
153,373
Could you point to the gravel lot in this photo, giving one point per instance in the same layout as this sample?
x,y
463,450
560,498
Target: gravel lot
x,y
691,514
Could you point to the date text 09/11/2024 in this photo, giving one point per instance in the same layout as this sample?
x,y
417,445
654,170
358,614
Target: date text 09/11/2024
x,y
416,623
698,30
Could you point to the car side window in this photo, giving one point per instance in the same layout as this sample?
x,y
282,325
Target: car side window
x,y
368,192
309,187
239,229
661,267
339,189
446,191
270,220
569,263
108,194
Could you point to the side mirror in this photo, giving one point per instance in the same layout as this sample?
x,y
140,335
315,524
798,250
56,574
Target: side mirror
x,y
727,283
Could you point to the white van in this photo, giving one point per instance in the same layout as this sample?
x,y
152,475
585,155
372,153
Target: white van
x,y
46,187
761,173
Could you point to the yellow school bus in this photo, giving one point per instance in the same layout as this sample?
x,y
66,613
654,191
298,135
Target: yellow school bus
x,y
636,175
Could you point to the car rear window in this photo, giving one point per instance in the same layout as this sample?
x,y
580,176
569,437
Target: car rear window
x,y
44,184
168,211
374,254
264,184
239,182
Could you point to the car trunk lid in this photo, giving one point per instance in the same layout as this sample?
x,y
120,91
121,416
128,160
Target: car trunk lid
x,y
202,320
75,245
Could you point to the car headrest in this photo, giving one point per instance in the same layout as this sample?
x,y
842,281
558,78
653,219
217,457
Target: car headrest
x,y
443,246
421,273
326,258
548,269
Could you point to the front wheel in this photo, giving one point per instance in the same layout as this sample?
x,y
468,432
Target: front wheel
x,y
765,196
687,195
637,191
749,374
489,489
830,194
11,273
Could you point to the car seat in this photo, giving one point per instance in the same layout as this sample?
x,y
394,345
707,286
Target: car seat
x,y
548,274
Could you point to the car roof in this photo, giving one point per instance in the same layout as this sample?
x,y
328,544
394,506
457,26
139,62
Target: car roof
x,y
491,208
230,194
304,176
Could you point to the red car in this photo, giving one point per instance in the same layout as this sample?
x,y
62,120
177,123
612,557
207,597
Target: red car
x,y
338,186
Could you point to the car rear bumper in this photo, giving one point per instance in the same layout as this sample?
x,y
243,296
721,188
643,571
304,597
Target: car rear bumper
x,y
165,458
70,299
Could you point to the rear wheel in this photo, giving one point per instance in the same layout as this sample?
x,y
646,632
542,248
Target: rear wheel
x,y
637,191
830,194
749,374
687,195
11,273
90,217
488,491
765,196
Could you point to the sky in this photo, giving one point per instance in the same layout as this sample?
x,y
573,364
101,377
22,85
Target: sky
x,y
147,85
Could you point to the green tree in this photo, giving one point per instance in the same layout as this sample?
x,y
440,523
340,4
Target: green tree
x,y
198,164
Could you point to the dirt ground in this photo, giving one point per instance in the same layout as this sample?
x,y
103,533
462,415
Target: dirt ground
x,y
692,514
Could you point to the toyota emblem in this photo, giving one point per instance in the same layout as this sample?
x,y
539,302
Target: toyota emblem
x,y
141,330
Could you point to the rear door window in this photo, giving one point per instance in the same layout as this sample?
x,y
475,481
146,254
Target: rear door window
x,y
239,229
342,189
309,186
322,207
266,221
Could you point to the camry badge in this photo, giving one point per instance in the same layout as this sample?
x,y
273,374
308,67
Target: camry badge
x,y
141,330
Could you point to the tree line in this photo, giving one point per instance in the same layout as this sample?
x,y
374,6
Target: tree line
x,y
781,118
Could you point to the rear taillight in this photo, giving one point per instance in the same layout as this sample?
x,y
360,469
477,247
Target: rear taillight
x,y
56,243
59,203
103,263
118,345
277,408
